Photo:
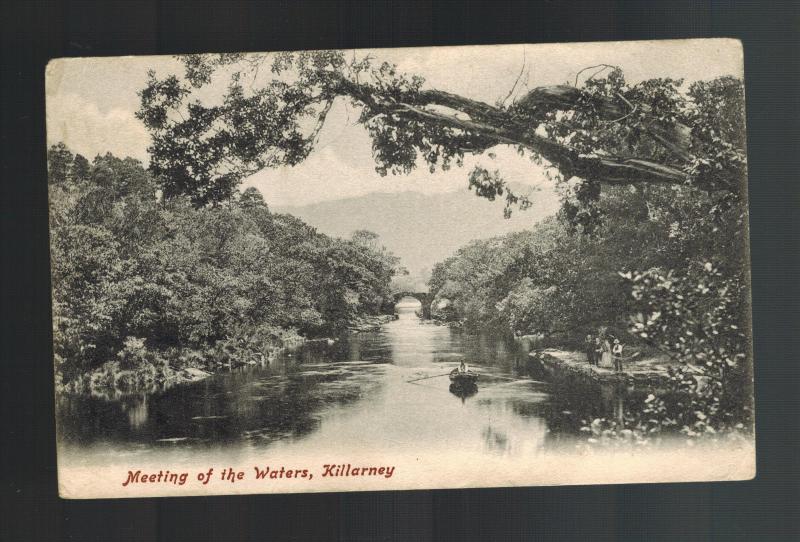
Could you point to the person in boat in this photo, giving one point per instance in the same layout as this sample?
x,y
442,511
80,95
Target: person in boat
x,y
616,351
463,367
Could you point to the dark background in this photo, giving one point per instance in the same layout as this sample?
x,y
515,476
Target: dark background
x,y
766,508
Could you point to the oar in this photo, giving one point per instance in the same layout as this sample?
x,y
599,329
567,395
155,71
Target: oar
x,y
425,378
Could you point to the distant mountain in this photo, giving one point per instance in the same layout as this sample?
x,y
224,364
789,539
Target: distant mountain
x,y
421,229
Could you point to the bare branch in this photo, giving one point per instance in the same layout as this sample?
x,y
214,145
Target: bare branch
x,y
513,88
602,67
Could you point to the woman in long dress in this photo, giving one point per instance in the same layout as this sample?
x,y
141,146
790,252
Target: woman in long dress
x,y
606,358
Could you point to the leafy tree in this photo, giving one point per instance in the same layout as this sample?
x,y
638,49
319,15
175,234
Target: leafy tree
x,y
140,283
604,132
699,318
86,270
251,197
550,281
59,164
80,168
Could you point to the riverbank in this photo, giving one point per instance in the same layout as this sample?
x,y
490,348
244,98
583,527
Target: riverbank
x,y
652,370
156,371
139,368
151,371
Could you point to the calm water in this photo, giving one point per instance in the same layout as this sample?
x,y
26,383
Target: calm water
x,y
354,393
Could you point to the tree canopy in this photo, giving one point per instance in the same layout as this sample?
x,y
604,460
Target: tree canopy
x,y
601,132
136,277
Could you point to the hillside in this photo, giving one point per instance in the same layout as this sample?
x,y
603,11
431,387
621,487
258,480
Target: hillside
x,y
421,229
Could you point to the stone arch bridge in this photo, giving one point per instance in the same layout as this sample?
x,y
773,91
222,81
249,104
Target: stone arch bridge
x,y
425,298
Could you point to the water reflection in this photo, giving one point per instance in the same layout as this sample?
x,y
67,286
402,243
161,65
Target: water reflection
x,y
463,391
136,408
386,391
495,441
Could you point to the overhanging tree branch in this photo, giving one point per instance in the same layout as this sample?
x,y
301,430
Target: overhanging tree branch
x,y
604,169
606,132
501,126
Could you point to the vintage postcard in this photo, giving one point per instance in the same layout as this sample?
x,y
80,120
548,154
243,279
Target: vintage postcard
x,y
357,270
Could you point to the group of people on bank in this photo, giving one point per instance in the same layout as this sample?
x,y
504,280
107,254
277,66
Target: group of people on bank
x,y
604,351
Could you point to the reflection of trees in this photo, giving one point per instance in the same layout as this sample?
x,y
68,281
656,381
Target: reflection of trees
x,y
355,349
263,403
81,419
497,352
136,408
571,402
278,406
576,402
525,408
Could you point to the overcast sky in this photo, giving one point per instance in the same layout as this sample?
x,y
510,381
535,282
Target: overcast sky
x,y
91,105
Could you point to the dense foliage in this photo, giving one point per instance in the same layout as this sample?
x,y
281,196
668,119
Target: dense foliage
x,y
142,280
553,281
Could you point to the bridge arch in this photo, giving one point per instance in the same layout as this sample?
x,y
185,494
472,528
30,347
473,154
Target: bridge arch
x,y
424,298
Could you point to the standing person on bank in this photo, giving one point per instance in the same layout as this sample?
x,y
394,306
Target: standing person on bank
x,y
606,360
598,350
588,345
616,350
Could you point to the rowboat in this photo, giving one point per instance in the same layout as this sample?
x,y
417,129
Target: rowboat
x,y
464,379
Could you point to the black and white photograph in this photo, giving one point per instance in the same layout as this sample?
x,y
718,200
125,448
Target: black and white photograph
x,y
394,269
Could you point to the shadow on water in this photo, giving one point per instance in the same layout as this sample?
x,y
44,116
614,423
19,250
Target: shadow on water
x,y
463,391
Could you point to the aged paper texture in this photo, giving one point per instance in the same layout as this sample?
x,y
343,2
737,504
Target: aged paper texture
x,y
400,269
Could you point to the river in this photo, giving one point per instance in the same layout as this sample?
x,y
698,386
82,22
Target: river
x,y
354,394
